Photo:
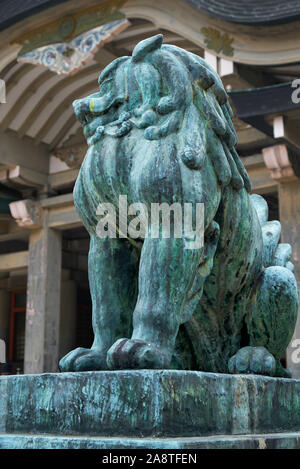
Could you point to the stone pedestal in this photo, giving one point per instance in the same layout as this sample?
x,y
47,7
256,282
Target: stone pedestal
x,y
148,409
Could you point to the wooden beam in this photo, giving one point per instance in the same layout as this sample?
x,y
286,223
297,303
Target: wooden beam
x,y
287,130
228,72
17,76
249,136
231,78
62,214
262,182
256,102
27,213
13,261
22,234
6,167
20,176
64,218
26,95
9,230
64,200
63,131
134,29
8,68
87,88
17,152
133,40
62,179
51,93
253,161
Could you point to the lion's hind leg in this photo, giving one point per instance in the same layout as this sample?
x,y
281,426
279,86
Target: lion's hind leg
x,y
274,306
274,315
270,324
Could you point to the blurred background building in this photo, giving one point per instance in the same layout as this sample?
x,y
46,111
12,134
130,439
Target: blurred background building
x,y
51,52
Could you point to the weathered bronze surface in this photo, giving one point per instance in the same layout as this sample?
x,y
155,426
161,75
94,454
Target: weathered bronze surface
x,y
160,130
147,403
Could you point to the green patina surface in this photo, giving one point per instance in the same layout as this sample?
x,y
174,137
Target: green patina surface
x,y
263,441
147,403
160,131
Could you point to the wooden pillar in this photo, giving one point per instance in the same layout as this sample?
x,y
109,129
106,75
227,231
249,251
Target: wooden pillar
x,y
43,300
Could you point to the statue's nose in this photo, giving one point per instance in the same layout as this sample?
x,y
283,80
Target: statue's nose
x,y
82,110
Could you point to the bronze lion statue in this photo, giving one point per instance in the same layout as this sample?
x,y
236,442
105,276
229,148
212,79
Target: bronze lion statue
x,y
160,131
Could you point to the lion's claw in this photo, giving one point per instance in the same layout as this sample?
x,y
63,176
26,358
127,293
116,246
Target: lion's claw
x,y
128,353
255,360
83,359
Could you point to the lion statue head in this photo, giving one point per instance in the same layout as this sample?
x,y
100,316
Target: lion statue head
x,y
163,89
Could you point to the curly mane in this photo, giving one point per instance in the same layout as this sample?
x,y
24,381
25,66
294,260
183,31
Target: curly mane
x,y
165,90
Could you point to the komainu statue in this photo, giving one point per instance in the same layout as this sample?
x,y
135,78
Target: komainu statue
x,y
160,131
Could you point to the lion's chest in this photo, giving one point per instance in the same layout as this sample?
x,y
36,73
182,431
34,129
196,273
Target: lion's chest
x,y
144,171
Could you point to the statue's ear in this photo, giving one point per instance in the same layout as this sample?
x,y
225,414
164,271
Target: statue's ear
x,y
146,46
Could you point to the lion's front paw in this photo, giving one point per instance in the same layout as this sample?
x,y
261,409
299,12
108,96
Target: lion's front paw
x,y
83,359
256,360
127,353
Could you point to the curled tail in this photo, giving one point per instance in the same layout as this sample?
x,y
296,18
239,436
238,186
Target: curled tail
x,y
274,253
275,303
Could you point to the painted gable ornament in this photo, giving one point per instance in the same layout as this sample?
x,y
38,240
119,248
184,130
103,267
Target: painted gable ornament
x,y
66,58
